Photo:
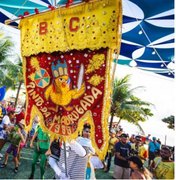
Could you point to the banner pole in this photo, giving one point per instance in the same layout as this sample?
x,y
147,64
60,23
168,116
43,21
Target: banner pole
x,y
65,159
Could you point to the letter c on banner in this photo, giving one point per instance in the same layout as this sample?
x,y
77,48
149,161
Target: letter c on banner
x,y
71,27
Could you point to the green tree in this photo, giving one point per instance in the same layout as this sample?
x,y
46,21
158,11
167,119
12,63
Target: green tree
x,y
11,74
170,121
127,106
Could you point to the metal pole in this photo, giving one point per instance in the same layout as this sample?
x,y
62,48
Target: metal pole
x,y
65,159
165,139
55,3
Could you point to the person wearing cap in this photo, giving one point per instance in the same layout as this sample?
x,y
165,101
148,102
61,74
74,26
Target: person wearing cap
x,y
112,141
165,168
138,169
153,147
15,137
122,153
138,149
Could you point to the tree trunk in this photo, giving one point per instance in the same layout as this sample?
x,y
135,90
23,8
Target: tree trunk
x,y
119,122
111,121
18,92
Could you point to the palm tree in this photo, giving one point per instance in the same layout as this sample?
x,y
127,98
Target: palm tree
x,y
125,105
11,74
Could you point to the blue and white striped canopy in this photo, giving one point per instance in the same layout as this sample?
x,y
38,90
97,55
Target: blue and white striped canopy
x,y
147,31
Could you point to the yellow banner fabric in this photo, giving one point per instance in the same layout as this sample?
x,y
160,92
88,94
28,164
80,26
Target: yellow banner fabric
x,y
90,25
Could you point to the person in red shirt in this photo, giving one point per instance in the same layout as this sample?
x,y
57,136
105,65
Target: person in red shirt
x,y
20,116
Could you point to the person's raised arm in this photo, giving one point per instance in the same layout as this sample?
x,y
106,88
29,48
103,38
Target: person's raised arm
x,y
75,146
33,138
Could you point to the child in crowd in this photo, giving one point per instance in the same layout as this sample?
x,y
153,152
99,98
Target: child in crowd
x,y
15,137
22,144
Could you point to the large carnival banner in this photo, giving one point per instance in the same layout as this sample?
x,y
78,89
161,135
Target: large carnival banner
x,y
67,56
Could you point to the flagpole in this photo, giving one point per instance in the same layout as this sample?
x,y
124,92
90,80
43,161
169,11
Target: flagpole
x,y
8,21
65,159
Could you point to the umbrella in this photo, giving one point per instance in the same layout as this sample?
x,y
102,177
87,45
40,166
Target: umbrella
x,y
147,31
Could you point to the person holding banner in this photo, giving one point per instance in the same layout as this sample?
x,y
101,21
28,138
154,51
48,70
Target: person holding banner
x,y
54,155
42,145
73,151
77,157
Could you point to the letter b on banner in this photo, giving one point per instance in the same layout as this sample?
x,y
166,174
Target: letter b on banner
x,y
43,28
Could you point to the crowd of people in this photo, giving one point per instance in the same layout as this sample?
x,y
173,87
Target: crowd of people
x,y
135,156
139,157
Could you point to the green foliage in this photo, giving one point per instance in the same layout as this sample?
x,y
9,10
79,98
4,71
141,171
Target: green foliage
x,y
170,121
126,105
5,48
10,71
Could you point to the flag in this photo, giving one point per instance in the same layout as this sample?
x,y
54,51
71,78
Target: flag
x,y
67,56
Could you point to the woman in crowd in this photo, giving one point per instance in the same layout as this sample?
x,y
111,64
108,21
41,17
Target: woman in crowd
x,y
86,143
138,170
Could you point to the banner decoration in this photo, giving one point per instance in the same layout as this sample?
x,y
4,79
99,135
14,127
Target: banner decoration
x,y
67,56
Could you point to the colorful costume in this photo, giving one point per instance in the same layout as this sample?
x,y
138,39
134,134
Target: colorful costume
x,y
42,146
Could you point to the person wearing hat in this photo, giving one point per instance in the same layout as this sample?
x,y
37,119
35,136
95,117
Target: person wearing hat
x,y
138,149
138,169
153,147
112,141
15,137
122,153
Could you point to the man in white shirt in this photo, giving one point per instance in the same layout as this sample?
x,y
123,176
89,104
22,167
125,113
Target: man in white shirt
x,y
5,127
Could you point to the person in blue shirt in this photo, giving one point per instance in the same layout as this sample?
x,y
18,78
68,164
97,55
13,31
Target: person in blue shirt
x,y
154,147
122,153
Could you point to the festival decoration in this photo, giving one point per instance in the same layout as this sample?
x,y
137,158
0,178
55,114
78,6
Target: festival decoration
x,y
67,55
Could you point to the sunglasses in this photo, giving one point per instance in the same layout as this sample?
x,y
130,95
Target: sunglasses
x,y
87,131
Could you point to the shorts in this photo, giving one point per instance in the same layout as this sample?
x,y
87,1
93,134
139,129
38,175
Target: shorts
x,y
32,132
121,172
22,145
12,148
151,155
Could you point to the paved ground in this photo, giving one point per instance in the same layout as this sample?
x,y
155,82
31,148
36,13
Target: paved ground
x,y
25,168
